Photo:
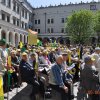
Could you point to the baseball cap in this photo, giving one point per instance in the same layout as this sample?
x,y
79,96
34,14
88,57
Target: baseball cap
x,y
89,58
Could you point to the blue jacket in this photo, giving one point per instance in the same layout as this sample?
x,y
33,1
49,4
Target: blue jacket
x,y
58,74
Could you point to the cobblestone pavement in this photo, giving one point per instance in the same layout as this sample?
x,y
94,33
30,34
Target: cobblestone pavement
x,y
23,93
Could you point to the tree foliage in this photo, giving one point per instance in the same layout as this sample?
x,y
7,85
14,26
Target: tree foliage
x,y
97,21
97,25
80,26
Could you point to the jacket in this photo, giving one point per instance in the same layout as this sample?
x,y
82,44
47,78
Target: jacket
x,y
27,71
56,75
89,79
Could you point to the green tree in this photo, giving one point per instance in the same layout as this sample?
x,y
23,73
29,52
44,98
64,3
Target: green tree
x,y
80,26
97,25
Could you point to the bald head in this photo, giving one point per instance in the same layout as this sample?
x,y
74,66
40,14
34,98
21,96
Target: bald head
x,y
59,59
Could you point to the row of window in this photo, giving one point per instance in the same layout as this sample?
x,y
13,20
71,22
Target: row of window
x,y
37,30
6,2
16,21
50,21
50,30
17,9
6,17
37,21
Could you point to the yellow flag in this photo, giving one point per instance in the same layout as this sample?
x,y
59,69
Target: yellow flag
x,y
21,44
9,64
1,89
32,37
78,52
9,61
69,57
36,66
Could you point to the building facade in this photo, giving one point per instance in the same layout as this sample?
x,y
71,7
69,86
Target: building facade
x,y
16,16
49,21
15,19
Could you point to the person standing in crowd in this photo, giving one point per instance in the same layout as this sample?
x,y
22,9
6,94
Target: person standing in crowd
x,y
18,54
96,55
56,78
44,58
3,63
32,60
3,53
1,56
68,76
28,75
15,64
89,80
51,56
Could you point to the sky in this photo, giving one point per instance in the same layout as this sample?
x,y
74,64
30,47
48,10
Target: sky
x,y
38,3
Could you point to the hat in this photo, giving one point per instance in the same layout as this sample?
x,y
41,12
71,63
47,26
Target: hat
x,y
64,53
24,54
97,48
72,49
2,42
45,52
18,50
13,52
89,58
33,54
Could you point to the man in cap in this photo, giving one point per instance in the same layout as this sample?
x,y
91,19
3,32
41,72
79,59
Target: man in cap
x,y
28,75
89,80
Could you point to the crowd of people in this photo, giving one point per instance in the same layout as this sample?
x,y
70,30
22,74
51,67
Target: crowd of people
x,y
48,68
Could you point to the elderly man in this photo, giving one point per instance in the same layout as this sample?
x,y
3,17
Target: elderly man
x,y
28,75
56,78
89,80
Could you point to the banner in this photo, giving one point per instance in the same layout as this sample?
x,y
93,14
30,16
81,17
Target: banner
x,y
32,37
69,58
21,45
1,89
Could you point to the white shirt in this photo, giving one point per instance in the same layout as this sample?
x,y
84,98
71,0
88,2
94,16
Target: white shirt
x,y
96,57
98,63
